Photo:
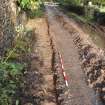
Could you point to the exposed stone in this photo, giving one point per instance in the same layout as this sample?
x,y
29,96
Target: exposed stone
x,y
103,89
6,27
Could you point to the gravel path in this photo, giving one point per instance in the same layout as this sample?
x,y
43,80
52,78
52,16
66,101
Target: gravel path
x,y
78,92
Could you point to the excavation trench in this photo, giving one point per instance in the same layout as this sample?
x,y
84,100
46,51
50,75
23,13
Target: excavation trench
x,y
57,76
91,62
81,61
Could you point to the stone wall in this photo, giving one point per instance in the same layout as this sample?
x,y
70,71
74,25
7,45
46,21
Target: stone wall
x,y
6,26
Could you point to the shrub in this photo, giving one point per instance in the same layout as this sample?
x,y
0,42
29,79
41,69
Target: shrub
x,y
9,81
30,4
75,8
33,8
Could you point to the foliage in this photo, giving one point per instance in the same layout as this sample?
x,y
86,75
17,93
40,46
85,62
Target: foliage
x,y
70,2
33,8
22,44
11,72
73,2
35,13
78,2
30,4
9,81
98,2
94,12
19,49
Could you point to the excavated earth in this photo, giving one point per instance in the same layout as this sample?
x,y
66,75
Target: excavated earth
x,y
84,62
92,57
38,83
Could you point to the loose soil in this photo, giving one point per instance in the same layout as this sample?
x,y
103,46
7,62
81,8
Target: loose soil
x,y
38,79
67,36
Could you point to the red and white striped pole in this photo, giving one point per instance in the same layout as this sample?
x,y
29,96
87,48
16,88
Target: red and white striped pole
x,y
63,72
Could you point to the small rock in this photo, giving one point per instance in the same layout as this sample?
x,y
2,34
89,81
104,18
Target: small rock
x,y
103,89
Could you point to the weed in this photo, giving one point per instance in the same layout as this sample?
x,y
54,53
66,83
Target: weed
x,y
10,71
33,8
35,13
9,81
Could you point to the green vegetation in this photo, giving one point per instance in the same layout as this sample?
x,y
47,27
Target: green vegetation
x,y
12,68
30,4
98,2
70,2
13,64
33,8
93,10
83,2
9,81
